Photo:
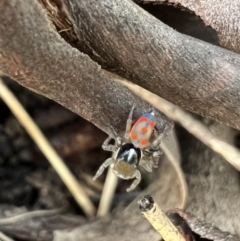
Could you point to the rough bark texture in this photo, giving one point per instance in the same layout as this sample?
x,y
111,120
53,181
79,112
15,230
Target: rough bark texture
x,y
222,15
203,229
192,74
125,39
214,192
34,54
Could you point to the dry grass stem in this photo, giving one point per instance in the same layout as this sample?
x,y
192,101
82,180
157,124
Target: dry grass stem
x,y
195,127
4,237
28,215
95,184
107,193
70,181
172,152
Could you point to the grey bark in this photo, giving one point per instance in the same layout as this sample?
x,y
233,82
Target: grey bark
x,y
34,54
125,39
222,15
214,191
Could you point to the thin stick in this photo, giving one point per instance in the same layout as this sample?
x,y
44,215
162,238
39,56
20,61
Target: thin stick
x,y
4,237
95,184
109,188
28,215
176,165
158,219
195,127
43,144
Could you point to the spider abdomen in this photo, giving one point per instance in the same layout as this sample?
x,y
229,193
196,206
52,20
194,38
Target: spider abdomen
x,y
142,130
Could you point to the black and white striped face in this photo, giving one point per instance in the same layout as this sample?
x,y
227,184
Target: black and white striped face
x,y
128,153
126,161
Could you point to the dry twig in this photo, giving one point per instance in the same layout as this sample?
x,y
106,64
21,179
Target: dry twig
x,y
159,220
107,193
4,237
174,158
43,144
22,216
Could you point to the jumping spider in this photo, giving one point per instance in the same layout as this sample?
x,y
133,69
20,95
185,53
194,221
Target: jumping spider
x,y
135,148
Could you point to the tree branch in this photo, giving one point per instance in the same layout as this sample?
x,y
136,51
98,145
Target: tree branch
x,y
34,54
222,15
125,39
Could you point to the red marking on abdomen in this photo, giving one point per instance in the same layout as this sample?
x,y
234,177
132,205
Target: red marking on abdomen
x,y
133,136
141,132
144,130
152,124
144,143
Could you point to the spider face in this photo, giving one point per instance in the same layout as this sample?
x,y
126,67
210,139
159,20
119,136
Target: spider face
x,y
134,149
127,159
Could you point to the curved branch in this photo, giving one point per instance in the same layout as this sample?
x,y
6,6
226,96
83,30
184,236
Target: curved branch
x,y
221,15
34,54
193,74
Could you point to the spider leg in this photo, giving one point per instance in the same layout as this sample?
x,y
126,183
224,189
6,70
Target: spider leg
x,y
146,164
113,134
138,177
155,156
158,137
106,146
157,141
101,169
156,151
129,123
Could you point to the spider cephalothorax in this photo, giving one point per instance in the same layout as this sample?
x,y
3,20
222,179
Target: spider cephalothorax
x,y
135,148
